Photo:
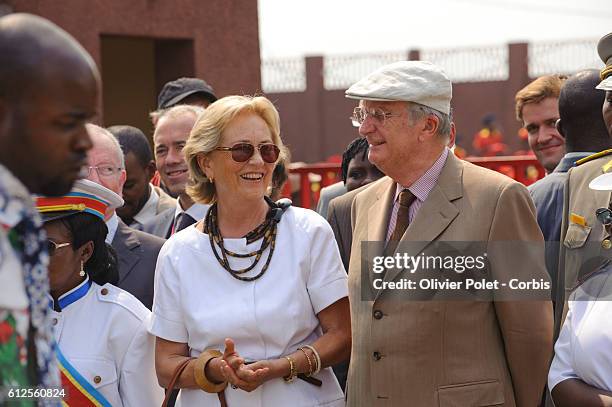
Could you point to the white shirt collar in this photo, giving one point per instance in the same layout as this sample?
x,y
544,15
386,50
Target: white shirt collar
x,y
73,295
112,224
149,210
197,210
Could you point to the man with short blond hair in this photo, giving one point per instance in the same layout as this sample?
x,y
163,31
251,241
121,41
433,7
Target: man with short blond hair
x,y
537,109
171,134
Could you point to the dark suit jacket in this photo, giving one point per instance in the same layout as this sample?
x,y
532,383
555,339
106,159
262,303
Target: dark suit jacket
x,y
327,194
547,195
339,217
161,224
137,254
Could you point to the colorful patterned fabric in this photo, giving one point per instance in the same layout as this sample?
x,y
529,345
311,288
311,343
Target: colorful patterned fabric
x,y
28,240
13,357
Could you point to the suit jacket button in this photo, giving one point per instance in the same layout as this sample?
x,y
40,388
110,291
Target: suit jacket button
x,y
377,356
378,314
97,379
606,244
104,291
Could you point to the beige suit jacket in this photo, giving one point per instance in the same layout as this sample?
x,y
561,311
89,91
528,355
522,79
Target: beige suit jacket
x,y
584,247
449,353
165,201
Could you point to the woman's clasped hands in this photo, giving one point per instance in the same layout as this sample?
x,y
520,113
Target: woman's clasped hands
x,y
231,367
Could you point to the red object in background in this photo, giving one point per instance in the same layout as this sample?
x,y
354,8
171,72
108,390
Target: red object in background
x,y
334,159
309,191
156,180
489,143
460,152
525,169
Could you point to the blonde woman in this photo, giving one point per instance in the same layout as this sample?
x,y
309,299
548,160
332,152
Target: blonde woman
x,y
256,292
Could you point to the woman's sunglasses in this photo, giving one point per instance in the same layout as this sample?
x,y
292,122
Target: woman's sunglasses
x,y
52,247
242,152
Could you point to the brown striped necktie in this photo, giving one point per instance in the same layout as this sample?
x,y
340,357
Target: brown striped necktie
x,y
406,198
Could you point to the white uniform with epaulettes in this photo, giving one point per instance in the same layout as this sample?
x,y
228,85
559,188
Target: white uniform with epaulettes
x,y
101,331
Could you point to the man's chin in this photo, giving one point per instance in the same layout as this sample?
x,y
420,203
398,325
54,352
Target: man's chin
x,y
549,163
55,187
175,190
126,214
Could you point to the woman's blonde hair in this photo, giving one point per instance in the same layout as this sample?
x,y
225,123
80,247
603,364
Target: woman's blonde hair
x,y
206,136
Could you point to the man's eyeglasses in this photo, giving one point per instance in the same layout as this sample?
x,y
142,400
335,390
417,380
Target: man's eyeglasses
x,y
378,114
102,170
242,152
52,247
604,215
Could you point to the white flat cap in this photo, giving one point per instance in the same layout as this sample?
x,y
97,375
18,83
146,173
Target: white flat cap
x,y
406,81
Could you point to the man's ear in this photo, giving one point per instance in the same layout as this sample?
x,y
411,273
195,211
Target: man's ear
x,y
430,125
150,169
452,136
122,180
559,127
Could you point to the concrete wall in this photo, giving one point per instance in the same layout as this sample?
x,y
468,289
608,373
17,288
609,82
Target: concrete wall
x,y
315,123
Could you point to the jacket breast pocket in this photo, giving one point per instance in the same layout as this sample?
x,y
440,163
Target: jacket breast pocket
x,y
100,373
473,394
576,236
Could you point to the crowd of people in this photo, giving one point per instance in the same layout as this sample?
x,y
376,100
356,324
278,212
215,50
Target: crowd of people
x,y
205,289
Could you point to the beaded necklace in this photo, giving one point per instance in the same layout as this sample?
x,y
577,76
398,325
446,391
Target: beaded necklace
x,y
268,230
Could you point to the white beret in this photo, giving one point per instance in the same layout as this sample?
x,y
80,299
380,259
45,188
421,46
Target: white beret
x,y
606,84
604,49
602,182
406,81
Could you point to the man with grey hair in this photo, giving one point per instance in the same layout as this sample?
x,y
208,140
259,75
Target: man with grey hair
x,y
136,251
171,134
414,346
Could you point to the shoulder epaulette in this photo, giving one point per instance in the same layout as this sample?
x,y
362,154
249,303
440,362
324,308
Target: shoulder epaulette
x,y
111,294
593,157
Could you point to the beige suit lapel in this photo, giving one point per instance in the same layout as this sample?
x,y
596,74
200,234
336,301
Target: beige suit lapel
x,y
437,212
378,221
380,211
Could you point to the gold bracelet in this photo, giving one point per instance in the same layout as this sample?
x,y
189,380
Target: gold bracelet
x,y
199,372
605,72
292,370
308,360
317,358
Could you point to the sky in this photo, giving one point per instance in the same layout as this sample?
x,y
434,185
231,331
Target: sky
x,y
289,28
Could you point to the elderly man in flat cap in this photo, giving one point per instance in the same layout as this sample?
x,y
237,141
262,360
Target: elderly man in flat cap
x,y
408,348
